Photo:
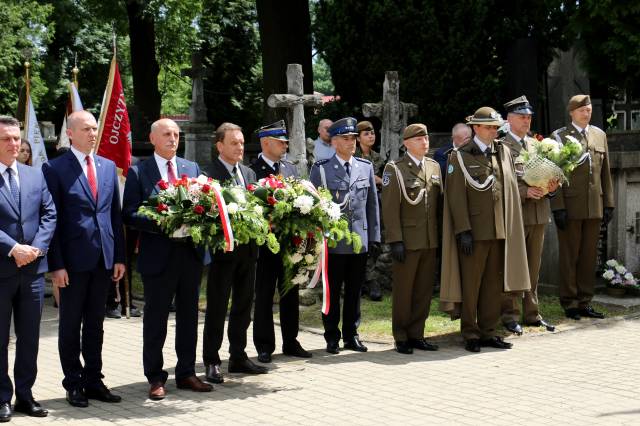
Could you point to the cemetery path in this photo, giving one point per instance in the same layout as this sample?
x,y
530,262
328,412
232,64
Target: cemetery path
x,y
589,375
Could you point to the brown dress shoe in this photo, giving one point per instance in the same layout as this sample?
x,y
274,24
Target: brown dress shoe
x,y
156,391
193,383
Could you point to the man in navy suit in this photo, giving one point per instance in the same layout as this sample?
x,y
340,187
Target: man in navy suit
x,y
27,222
460,135
234,270
86,256
169,266
270,270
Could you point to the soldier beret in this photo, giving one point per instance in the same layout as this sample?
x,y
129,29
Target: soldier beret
x,y
578,101
277,130
519,105
487,116
414,130
344,126
364,125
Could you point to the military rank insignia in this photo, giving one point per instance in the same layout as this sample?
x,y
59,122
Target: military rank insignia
x,y
385,179
450,169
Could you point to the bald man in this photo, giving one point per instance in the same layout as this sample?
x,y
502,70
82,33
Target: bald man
x,y
86,255
322,148
168,266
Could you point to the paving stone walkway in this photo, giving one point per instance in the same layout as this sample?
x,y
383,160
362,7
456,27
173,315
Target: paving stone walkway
x,y
589,375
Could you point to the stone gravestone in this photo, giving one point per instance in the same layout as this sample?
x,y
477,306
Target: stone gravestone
x,y
393,114
198,133
295,101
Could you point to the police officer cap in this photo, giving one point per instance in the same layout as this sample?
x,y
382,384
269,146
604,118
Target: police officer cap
x,y
519,106
364,125
277,130
487,116
344,126
414,130
578,101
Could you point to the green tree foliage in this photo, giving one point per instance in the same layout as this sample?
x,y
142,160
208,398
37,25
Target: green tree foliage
x,y
25,34
322,77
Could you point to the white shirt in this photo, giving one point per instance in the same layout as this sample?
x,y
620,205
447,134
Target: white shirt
x,y
3,173
266,160
230,169
516,137
580,129
480,144
81,156
162,167
415,160
342,162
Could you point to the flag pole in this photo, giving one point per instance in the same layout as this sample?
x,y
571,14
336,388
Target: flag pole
x,y
27,97
75,71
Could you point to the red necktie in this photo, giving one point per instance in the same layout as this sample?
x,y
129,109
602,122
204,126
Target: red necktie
x,y
171,174
91,176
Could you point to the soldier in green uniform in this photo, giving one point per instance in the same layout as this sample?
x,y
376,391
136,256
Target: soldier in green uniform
x,y
580,208
411,189
482,210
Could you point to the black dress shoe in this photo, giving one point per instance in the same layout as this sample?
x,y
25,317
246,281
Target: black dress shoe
x,y
77,398
403,348
355,344
543,323
214,374
472,345
134,312
423,345
264,357
113,313
296,349
572,313
514,327
333,348
101,393
590,312
30,408
246,366
496,342
5,412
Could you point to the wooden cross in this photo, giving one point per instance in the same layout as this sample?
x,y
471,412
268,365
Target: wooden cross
x,y
295,101
393,114
198,108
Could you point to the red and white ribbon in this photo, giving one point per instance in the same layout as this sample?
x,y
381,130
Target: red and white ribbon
x,y
321,271
224,219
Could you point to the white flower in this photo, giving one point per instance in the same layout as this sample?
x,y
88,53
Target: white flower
x,y
621,269
202,179
304,203
300,279
549,144
331,209
238,195
295,258
232,208
612,263
628,276
258,209
309,258
608,275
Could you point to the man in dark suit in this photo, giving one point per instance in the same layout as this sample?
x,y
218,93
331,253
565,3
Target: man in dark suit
x,y
168,266
270,270
27,222
232,270
86,256
460,136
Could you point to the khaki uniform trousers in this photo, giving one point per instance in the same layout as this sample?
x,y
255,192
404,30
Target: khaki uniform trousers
x,y
534,239
411,295
578,253
482,289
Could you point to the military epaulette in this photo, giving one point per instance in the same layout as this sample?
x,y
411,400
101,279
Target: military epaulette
x,y
432,160
321,162
287,162
557,131
362,160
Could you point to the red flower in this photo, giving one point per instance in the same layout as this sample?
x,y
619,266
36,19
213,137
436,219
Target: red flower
x,y
251,187
272,201
184,176
161,207
539,137
198,209
206,188
296,240
162,185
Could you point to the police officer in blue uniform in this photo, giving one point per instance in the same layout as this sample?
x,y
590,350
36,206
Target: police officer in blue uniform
x,y
351,183
270,270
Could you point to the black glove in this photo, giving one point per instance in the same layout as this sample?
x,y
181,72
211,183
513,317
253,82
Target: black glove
x,y
397,251
465,242
374,249
560,217
608,215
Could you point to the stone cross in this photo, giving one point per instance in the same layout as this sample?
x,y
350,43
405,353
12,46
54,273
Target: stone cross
x,y
198,109
295,101
393,114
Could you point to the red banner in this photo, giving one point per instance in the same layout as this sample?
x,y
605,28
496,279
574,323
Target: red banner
x,y
115,131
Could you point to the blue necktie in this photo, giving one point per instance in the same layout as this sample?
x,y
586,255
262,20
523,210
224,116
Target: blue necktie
x,y
346,167
13,187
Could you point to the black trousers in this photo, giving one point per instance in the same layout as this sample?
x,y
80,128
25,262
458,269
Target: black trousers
x,y
229,272
181,278
80,329
348,269
21,296
269,273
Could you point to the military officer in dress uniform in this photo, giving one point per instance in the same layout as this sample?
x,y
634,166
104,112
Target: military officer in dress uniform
x,y
486,219
535,215
411,190
352,185
579,210
270,270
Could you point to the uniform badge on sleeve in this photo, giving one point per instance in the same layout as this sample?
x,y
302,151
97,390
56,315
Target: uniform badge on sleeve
x,y
385,178
450,169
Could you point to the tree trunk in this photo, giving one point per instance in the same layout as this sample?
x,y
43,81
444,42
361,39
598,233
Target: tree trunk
x,y
285,37
144,66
